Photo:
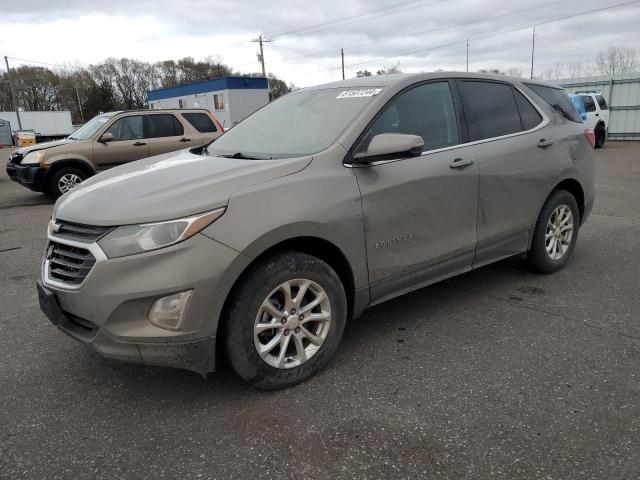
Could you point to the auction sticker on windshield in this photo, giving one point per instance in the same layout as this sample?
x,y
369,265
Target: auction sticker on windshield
x,y
359,92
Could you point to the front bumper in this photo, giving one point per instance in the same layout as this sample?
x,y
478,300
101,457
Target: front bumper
x,y
30,176
109,309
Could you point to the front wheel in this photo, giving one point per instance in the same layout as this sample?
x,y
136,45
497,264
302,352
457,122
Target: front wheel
x,y
285,320
555,234
64,179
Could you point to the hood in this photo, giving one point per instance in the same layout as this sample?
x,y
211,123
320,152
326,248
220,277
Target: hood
x,y
165,187
41,146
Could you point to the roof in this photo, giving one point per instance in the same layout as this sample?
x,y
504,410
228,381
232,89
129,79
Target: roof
x,y
409,78
225,83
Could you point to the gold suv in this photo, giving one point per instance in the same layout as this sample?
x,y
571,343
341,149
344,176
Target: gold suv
x,y
107,140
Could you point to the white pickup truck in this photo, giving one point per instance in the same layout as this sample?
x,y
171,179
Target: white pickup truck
x,y
597,115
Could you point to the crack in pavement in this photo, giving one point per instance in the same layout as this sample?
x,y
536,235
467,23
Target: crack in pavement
x,y
519,305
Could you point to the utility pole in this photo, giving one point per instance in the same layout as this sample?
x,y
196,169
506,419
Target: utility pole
x,y
533,49
260,41
79,104
467,55
342,55
13,95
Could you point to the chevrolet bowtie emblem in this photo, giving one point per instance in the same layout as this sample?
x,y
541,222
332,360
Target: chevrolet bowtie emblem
x,y
53,227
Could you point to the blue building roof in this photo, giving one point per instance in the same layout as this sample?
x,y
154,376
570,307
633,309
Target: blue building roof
x,y
225,83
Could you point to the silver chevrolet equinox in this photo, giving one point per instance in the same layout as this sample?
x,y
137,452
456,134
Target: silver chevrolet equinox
x,y
327,201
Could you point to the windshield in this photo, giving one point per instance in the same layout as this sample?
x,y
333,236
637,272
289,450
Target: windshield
x,y
92,126
300,123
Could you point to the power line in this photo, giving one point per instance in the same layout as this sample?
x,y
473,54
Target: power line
x,y
425,32
588,12
47,63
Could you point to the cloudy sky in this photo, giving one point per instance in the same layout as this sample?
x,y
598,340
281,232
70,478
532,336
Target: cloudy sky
x,y
419,35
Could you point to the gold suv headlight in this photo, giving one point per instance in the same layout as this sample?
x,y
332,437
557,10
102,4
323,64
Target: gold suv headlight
x,y
33,158
133,239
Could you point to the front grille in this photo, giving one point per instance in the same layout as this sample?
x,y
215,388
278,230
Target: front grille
x,y
79,232
67,264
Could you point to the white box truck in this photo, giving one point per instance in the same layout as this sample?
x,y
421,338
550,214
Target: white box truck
x,y
46,125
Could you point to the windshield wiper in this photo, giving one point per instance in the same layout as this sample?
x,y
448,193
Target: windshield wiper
x,y
245,157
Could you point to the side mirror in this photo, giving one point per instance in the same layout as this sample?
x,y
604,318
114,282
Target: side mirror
x,y
390,146
106,137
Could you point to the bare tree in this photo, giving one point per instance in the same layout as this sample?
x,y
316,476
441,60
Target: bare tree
x,y
514,72
617,61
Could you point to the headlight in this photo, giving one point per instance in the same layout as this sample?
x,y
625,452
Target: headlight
x,y
132,239
33,158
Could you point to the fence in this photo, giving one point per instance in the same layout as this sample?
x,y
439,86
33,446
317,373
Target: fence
x,y
622,93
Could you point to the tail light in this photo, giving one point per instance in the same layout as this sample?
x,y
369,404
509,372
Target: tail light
x,y
591,136
217,123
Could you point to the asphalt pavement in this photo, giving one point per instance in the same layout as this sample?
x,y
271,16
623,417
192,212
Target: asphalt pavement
x,y
498,373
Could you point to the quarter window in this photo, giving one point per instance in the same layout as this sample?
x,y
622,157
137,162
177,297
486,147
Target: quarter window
x,y
558,99
589,104
127,128
426,110
201,122
162,126
490,109
528,114
602,102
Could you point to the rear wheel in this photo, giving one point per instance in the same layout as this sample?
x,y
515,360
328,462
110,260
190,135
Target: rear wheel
x,y
64,179
555,234
285,320
601,136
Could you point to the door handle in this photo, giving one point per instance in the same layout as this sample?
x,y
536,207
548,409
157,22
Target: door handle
x,y
185,139
544,143
139,144
461,163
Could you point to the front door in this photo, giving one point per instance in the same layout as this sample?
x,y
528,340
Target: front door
x,y
420,212
128,143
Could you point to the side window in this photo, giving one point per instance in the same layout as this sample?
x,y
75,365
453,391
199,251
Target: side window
x,y
164,125
528,114
127,128
558,99
426,110
602,102
589,104
201,122
490,109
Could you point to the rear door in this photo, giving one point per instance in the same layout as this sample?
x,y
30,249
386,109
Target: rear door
x,y
128,143
203,125
420,212
513,151
604,109
592,111
165,133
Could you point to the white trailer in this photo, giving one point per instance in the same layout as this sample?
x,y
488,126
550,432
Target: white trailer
x,y
47,125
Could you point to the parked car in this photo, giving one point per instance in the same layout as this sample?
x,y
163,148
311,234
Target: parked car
x,y
579,104
597,115
108,140
327,201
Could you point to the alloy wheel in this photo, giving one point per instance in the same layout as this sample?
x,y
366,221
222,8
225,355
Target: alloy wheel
x,y
68,181
559,232
292,323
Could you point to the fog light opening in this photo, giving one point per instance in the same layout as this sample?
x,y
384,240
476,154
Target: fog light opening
x,y
169,312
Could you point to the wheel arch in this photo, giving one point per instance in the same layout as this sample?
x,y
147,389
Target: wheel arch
x,y
70,162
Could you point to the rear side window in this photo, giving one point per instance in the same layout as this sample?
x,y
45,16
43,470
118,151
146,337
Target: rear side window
x,y
558,99
490,109
426,110
201,122
528,114
589,104
602,102
163,125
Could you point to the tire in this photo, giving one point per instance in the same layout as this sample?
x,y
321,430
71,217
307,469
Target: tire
x,y
539,258
265,282
64,176
601,136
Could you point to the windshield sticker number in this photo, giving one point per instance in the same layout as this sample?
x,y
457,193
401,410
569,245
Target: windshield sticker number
x,y
360,92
